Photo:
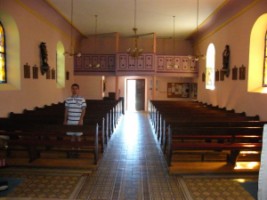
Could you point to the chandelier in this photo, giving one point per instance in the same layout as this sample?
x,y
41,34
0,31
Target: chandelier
x,y
173,64
95,64
135,51
71,52
198,56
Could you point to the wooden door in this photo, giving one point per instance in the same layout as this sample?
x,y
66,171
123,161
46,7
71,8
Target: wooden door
x,y
140,94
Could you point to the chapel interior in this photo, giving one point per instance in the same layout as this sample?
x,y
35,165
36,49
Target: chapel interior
x,y
175,94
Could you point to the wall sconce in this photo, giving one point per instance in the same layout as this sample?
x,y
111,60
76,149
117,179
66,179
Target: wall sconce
x,y
135,51
198,56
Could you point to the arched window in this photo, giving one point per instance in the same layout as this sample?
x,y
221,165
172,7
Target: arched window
x,y
265,62
257,67
3,78
60,66
210,67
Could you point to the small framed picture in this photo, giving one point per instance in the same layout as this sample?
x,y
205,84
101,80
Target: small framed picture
x,y
27,71
35,72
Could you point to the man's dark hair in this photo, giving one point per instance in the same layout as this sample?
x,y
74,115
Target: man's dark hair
x,y
75,85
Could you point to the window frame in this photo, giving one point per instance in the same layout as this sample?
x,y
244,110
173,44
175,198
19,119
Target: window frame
x,y
210,67
4,54
264,82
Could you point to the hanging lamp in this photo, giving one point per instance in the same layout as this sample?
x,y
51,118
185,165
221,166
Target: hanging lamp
x,y
71,51
95,64
198,56
172,64
135,51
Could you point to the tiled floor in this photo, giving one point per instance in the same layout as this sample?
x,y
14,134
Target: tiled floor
x,y
133,167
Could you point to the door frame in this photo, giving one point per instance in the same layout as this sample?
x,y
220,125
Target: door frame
x,y
126,91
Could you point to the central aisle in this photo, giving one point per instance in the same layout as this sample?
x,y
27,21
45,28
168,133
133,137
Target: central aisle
x,y
133,166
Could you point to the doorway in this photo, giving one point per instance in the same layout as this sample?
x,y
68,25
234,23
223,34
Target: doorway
x,y
135,91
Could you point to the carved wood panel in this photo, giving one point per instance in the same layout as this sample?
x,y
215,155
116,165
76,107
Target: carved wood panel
x,y
143,63
122,62
169,63
95,63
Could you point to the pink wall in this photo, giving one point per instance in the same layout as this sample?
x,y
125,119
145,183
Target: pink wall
x,y
36,22
229,93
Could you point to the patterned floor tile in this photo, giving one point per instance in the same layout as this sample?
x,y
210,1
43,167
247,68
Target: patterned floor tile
x,y
136,164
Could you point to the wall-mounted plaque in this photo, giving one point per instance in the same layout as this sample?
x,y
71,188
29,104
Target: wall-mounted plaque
x,y
234,73
217,75
35,72
48,76
177,90
203,77
222,74
27,71
67,75
242,73
53,74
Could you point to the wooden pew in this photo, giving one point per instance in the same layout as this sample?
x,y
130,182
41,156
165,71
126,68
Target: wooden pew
x,y
208,123
234,139
36,139
192,113
104,113
193,116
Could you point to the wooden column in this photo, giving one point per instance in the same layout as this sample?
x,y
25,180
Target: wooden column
x,y
117,88
154,87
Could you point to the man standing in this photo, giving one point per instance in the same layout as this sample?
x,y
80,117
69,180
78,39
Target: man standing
x,y
75,107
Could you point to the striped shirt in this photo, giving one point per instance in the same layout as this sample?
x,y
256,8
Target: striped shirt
x,y
75,106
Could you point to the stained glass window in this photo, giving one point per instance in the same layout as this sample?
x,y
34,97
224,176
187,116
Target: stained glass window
x,y
3,78
265,62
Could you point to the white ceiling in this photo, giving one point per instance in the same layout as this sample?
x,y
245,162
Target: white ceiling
x,y
151,15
